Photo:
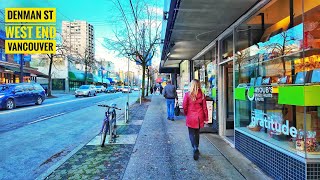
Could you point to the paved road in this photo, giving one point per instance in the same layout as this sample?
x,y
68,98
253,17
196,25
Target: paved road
x,y
26,115
33,138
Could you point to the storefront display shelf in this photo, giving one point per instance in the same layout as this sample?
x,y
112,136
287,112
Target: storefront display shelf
x,y
299,95
287,57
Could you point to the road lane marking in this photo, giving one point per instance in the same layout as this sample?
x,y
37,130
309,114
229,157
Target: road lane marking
x,y
43,119
46,105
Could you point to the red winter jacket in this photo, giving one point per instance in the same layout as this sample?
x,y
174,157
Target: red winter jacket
x,y
196,111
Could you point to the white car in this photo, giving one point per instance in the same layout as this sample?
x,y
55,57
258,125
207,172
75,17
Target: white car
x,y
100,89
126,89
86,90
135,88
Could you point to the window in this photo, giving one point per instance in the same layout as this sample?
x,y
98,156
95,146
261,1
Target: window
x,y
3,56
271,74
18,88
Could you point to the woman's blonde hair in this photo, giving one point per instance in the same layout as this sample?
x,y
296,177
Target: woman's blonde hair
x,y
194,89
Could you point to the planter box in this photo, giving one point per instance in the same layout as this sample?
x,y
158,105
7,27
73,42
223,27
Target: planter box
x,y
299,95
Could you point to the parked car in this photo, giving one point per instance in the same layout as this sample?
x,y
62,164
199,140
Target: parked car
x,y
126,89
13,95
86,90
111,89
100,89
119,88
135,88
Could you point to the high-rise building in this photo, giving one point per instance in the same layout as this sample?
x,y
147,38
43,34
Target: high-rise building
x,y
78,36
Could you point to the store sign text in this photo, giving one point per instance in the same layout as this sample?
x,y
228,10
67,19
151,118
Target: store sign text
x,y
259,93
270,124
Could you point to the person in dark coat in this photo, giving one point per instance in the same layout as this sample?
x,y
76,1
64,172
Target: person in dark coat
x,y
161,88
155,88
151,89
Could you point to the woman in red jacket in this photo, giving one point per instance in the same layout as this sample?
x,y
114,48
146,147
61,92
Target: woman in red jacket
x,y
195,109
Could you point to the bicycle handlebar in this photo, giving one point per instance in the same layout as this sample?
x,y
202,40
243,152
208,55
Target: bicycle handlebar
x,y
104,105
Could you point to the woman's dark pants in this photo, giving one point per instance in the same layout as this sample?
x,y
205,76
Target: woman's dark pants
x,y
194,137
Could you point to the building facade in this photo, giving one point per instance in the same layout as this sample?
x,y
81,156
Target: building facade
x,y
78,36
59,71
10,66
260,63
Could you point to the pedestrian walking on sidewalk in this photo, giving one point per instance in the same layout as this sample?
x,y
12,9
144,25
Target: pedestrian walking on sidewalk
x,y
170,94
161,88
151,89
155,88
195,109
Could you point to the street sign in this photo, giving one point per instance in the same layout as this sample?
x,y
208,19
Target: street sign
x,y
17,58
27,57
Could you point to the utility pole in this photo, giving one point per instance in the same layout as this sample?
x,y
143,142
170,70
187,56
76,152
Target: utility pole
x,y
21,68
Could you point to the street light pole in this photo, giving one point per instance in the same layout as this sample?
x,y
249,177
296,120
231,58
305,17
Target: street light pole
x,y
21,68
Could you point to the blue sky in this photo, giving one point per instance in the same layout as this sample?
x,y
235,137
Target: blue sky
x,y
102,14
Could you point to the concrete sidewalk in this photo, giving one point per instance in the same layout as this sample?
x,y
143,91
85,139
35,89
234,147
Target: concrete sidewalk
x,y
163,151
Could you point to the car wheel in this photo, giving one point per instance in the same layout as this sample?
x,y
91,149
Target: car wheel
x,y
95,94
76,96
89,94
10,104
39,100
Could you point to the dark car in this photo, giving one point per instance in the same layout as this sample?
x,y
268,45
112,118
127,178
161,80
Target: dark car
x,y
111,89
13,95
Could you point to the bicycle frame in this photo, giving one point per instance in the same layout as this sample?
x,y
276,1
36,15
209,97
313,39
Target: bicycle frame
x,y
110,124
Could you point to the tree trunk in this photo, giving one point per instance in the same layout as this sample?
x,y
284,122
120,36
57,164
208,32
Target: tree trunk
x,y
283,66
148,83
143,81
49,91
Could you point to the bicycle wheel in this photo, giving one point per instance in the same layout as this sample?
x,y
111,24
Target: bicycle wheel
x,y
104,132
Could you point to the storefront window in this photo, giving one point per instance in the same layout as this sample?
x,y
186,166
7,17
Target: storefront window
x,y
205,72
310,65
276,59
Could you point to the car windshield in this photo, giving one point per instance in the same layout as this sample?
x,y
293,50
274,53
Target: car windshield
x,y
126,87
84,87
5,88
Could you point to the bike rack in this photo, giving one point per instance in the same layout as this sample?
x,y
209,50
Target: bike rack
x,y
126,113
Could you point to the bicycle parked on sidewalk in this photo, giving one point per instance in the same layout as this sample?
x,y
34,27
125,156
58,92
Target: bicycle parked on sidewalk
x,y
109,123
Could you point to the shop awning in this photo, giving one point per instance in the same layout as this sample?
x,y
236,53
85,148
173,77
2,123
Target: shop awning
x,y
98,79
76,76
27,72
192,25
158,80
39,74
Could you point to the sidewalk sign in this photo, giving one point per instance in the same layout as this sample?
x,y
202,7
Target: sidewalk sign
x,y
210,110
180,95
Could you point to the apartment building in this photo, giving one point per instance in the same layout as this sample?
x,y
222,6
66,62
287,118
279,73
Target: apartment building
x,y
78,36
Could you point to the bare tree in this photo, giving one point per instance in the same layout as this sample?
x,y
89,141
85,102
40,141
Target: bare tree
x,y
281,48
89,63
241,59
136,35
61,50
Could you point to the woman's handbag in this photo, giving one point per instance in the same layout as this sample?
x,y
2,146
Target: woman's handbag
x,y
177,110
